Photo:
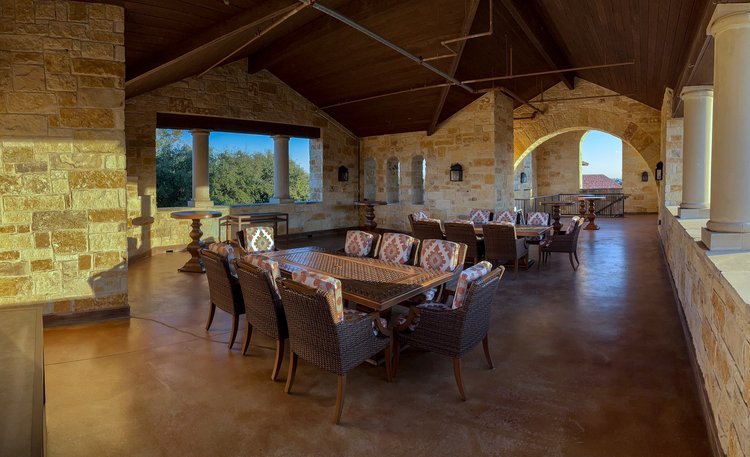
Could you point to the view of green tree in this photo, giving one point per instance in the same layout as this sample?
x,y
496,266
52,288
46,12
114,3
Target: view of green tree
x,y
235,177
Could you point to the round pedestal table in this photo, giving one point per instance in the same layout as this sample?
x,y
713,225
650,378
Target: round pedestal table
x,y
195,264
370,223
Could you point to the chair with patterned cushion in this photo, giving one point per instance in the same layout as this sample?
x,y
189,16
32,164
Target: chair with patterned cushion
x,y
441,255
463,232
257,276
427,230
223,287
480,216
321,333
565,242
501,245
538,218
418,216
507,216
361,244
453,329
257,239
399,248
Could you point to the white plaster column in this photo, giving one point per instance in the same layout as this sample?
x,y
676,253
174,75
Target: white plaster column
x,y
200,169
729,225
696,152
281,169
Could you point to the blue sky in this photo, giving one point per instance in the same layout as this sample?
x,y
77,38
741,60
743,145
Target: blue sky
x,y
603,152
299,148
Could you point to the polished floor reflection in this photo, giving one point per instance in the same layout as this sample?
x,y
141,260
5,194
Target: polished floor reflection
x,y
588,363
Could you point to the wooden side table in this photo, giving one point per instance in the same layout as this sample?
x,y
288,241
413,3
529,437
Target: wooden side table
x,y
370,223
195,264
591,216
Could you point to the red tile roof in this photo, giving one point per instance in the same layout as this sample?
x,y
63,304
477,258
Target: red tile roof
x,y
599,182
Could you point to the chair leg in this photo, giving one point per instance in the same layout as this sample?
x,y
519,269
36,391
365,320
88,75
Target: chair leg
x,y
575,253
396,354
235,325
278,360
457,374
388,353
248,334
291,373
570,257
515,270
486,345
339,398
211,313
539,261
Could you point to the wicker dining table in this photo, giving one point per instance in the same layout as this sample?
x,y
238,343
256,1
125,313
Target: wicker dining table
x,y
522,230
373,283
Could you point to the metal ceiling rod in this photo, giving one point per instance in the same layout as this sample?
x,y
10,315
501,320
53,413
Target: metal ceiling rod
x,y
387,94
451,51
336,15
519,99
548,72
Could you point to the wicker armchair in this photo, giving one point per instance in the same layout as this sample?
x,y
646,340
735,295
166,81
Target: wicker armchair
x,y
453,332
374,246
257,239
334,347
393,248
263,309
224,290
562,242
501,245
464,233
427,230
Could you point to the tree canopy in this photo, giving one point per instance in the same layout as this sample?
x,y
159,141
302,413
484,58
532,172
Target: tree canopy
x,y
235,177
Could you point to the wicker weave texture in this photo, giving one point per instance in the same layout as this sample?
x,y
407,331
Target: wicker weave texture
x,y
263,307
223,288
501,244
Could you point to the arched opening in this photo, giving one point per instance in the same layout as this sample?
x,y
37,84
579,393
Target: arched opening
x,y
418,171
600,162
370,190
392,178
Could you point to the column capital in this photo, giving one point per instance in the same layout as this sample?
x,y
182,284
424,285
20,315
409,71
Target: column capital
x,y
199,132
280,137
696,92
729,16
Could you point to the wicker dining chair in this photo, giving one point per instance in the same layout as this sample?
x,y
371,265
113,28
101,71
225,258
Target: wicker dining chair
x,y
481,216
399,248
418,216
337,347
224,290
263,309
427,230
501,245
563,242
443,255
358,245
452,332
257,239
462,232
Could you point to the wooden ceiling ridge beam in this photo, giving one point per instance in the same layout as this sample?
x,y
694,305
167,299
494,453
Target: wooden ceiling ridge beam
x,y
465,30
532,26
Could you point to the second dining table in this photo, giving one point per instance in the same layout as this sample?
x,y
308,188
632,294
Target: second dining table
x,y
373,283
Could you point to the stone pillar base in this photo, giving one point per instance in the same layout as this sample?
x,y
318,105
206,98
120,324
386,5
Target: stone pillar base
x,y
200,203
693,213
280,200
725,241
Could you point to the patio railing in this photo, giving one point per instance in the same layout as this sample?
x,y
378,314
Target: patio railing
x,y
613,204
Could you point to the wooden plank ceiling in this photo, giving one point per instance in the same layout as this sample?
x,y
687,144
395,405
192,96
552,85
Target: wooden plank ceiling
x,y
331,63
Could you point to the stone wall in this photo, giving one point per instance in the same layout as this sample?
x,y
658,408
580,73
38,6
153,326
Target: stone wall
x,y
627,119
478,137
557,165
62,155
229,91
713,290
643,195
525,189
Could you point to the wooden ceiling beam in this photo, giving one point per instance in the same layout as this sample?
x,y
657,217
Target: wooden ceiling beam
x,y
532,26
465,30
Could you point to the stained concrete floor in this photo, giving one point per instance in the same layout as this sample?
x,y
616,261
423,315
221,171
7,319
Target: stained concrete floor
x,y
591,363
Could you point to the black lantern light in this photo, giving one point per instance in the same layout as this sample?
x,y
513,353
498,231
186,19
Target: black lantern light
x,y
343,174
644,176
457,172
659,172
523,177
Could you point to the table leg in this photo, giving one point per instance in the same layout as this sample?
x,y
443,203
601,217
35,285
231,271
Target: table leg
x,y
370,223
556,217
591,217
582,209
195,264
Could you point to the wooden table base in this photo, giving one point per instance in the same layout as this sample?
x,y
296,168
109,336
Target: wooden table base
x,y
195,264
591,217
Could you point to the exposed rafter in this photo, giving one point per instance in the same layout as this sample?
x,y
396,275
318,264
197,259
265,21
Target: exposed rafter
x,y
531,24
465,30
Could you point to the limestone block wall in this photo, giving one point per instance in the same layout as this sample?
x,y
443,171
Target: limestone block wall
x,y
714,295
62,154
672,183
229,91
476,137
557,165
633,122
526,189
643,195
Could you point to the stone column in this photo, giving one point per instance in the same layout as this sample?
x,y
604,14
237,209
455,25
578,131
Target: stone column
x,y
201,196
281,169
696,151
729,225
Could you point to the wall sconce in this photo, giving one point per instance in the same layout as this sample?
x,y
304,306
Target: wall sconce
x,y
644,176
659,172
523,177
457,172
343,174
